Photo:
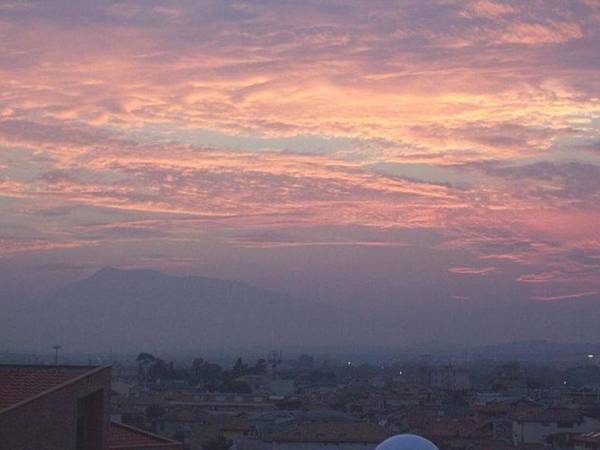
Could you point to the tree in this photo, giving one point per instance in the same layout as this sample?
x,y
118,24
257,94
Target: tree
x,y
237,387
144,361
260,368
161,370
239,368
322,376
197,363
145,358
208,373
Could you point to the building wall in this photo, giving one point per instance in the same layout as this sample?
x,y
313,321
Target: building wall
x,y
450,378
586,446
537,432
153,447
322,446
50,422
502,430
282,387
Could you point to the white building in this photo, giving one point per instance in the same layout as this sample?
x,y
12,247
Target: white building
x,y
542,426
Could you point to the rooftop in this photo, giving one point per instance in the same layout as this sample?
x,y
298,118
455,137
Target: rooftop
x,y
20,383
548,415
452,427
332,432
588,438
128,437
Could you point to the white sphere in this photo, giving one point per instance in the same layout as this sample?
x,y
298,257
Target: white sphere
x,y
406,442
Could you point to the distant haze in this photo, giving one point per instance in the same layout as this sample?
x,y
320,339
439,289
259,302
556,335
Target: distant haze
x,y
133,310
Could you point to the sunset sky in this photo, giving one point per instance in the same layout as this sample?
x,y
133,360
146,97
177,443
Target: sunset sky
x,y
337,150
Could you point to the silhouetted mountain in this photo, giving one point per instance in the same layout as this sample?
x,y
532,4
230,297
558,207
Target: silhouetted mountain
x,y
133,310
148,309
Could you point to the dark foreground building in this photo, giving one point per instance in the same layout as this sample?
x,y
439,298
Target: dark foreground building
x,y
64,408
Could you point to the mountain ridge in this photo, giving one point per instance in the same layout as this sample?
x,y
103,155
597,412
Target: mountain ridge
x,y
137,309
158,309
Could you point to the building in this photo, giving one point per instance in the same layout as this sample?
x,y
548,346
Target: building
x,y
232,428
330,436
584,397
281,387
450,378
64,408
456,432
227,403
587,441
181,422
550,426
408,395
52,408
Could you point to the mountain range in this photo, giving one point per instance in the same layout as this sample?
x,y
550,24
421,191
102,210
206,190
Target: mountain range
x,y
149,309
135,310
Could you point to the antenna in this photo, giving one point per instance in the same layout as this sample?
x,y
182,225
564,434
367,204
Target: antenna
x,y
274,359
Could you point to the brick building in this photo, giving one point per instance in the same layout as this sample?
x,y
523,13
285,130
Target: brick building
x,y
64,408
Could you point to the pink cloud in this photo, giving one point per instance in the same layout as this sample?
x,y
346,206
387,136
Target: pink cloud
x,y
12,246
473,270
284,79
565,296
461,297
112,116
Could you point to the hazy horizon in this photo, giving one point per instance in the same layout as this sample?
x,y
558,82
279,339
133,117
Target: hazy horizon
x,y
143,310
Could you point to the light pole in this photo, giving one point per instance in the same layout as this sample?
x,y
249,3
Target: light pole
x,y
56,349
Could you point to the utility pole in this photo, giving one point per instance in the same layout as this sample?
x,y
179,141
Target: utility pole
x,y
56,349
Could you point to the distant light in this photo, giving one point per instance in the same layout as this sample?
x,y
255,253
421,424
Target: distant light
x,y
564,382
401,373
349,363
591,355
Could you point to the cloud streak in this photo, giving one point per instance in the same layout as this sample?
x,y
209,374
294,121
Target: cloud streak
x,y
475,122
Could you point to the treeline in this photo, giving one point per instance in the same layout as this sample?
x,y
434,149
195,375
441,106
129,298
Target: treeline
x,y
210,376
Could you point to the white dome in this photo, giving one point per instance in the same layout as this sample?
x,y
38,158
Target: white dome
x,y
406,442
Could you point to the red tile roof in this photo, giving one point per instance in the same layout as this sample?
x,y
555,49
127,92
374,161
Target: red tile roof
x,y
588,438
548,415
496,445
333,432
453,427
128,437
19,383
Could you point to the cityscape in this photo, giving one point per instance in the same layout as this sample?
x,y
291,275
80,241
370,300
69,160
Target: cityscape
x,y
300,225
547,396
